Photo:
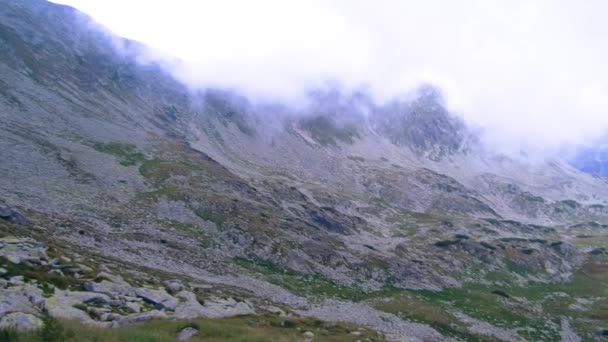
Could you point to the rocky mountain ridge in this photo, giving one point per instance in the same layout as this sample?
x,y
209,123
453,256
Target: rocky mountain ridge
x,y
343,210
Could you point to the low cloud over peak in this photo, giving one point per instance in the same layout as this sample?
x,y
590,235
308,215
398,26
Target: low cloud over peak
x,y
532,74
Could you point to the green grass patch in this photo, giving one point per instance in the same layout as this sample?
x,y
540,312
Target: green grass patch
x,y
239,329
127,154
326,131
298,283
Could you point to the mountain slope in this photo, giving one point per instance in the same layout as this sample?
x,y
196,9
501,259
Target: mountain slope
x,y
346,210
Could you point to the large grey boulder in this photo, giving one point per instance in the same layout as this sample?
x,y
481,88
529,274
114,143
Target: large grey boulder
x,y
20,321
160,299
144,317
111,289
213,307
18,299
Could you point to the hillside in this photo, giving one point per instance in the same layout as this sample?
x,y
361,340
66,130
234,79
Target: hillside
x,y
393,217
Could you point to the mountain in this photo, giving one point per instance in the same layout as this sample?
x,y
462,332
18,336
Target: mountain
x,y
593,160
393,217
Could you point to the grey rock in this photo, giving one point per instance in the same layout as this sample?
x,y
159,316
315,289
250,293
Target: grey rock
x,y
144,317
173,286
12,215
20,321
15,281
308,335
110,288
110,316
3,271
186,334
160,299
132,307
15,299
57,272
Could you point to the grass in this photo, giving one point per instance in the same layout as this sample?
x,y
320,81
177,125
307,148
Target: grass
x,y
41,275
325,131
301,284
244,328
510,305
127,154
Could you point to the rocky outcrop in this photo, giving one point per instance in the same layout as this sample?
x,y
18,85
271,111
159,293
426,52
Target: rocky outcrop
x,y
107,300
12,216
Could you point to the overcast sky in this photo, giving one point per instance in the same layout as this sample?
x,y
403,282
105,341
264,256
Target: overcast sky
x,y
532,73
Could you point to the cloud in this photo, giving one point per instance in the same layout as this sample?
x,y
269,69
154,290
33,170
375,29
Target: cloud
x,y
533,74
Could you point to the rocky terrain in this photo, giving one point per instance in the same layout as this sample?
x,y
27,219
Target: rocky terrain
x,y
163,202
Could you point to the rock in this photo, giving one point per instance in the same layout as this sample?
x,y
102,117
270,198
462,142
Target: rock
x,y
309,335
275,310
103,268
144,317
36,299
110,288
57,272
160,299
14,259
356,333
132,307
190,308
15,299
20,321
173,286
110,316
15,281
61,304
65,259
186,334
3,271
84,268
12,216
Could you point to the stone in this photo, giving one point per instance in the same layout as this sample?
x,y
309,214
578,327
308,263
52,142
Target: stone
x,y
65,259
36,299
15,281
110,288
160,299
308,335
61,305
57,272
103,268
20,321
173,286
13,259
12,216
3,271
15,299
84,268
186,334
110,316
144,317
132,307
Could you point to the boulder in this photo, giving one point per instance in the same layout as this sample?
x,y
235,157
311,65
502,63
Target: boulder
x,y
144,317
110,288
173,286
186,334
20,321
160,299
12,216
